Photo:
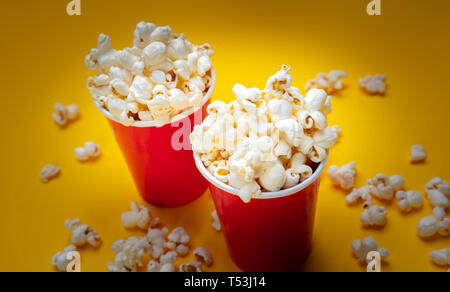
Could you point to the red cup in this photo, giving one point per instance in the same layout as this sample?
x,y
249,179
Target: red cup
x,y
156,164
272,233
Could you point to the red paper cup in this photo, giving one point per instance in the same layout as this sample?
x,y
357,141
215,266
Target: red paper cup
x,y
272,233
165,176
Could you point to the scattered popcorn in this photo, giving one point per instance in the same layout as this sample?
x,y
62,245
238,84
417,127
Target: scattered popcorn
x,y
409,200
182,250
156,237
154,266
203,256
344,176
216,222
139,217
441,257
329,82
381,187
82,234
356,195
267,139
436,223
49,172
373,215
418,154
438,192
179,236
160,78
88,152
373,84
362,248
129,254
65,114
192,267
397,182
168,258
60,260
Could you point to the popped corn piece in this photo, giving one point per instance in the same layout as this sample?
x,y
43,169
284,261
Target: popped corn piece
x,y
182,250
168,258
88,152
60,261
156,237
362,248
359,194
434,224
167,268
216,222
438,192
129,254
380,186
397,182
65,114
203,256
441,257
82,234
344,176
139,217
154,266
179,236
373,84
409,200
192,267
418,154
329,82
49,172
373,215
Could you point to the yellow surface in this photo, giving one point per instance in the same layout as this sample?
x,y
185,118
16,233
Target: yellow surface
x,y
43,51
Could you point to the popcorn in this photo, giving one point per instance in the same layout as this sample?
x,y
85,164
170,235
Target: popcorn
x,y
359,194
129,254
383,187
191,267
373,215
438,192
441,257
203,256
265,140
82,234
60,260
362,248
182,250
159,59
139,217
329,82
373,84
418,154
168,258
179,236
157,240
89,151
49,172
436,223
154,266
344,176
397,182
409,200
216,222
65,114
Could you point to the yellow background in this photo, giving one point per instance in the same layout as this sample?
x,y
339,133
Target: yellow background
x,y
42,62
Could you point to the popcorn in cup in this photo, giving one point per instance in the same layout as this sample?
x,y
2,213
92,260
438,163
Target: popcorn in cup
x,y
263,155
152,95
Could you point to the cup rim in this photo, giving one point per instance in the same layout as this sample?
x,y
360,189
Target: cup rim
x,y
148,124
265,195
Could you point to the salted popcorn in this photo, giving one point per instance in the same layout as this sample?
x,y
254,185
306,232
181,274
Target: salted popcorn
x,y
203,256
160,78
65,114
330,82
438,192
362,248
265,140
90,151
129,254
418,154
82,234
373,216
191,267
139,217
409,200
434,224
216,222
49,172
441,257
60,260
344,176
373,84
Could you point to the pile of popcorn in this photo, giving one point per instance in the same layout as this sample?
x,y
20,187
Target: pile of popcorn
x,y
266,140
158,79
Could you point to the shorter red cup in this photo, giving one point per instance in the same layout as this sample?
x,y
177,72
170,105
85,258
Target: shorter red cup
x,y
272,233
165,176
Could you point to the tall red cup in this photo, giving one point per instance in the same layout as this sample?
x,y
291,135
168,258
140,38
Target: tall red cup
x,y
272,233
165,175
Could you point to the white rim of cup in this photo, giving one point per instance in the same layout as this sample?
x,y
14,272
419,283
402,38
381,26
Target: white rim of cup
x,y
145,124
265,195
